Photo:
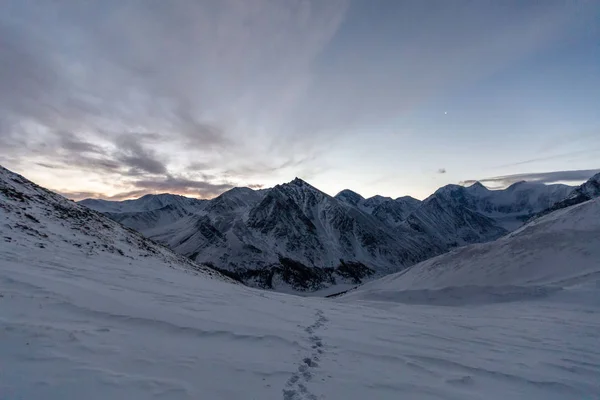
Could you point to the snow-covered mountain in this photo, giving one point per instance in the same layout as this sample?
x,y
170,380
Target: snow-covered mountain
x,y
452,223
590,189
148,202
510,207
37,221
558,250
586,191
389,211
294,235
90,309
350,197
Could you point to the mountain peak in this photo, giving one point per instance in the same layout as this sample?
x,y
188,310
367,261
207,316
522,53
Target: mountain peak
x,y
407,198
477,189
478,184
448,189
348,192
236,191
349,196
298,182
522,184
591,188
379,198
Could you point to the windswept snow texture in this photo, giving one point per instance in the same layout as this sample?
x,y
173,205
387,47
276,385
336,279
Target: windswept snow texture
x,y
84,322
558,250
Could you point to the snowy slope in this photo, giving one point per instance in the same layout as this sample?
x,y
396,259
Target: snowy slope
x,y
81,321
34,219
588,190
591,188
560,249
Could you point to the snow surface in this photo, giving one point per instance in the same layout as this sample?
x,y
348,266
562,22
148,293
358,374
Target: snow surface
x,y
84,322
72,328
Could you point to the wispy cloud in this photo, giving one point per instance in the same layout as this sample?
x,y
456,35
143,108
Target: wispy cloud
x,y
133,154
169,184
127,91
182,185
204,74
575,176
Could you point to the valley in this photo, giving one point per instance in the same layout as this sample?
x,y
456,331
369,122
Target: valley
x,y
91,309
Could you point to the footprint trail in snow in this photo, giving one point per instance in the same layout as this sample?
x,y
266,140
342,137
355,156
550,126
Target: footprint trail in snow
x,y
296,387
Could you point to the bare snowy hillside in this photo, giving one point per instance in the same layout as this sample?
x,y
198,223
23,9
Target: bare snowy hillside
x,y
34,220
586,191
91,310
559,250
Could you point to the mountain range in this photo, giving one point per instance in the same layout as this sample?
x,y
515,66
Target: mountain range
x,y
552,252
87,303
294,237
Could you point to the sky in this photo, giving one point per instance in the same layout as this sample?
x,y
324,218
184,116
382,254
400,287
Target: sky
x,y
120,98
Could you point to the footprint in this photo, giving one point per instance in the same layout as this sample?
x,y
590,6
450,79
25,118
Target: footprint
x,y
296,386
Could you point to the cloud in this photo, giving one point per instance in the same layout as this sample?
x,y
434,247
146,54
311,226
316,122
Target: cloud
x,y
212,77
49,166
132,154
182,185
246,91
441,171
92,164
575,176
169,184
70,142
256,186
77,196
